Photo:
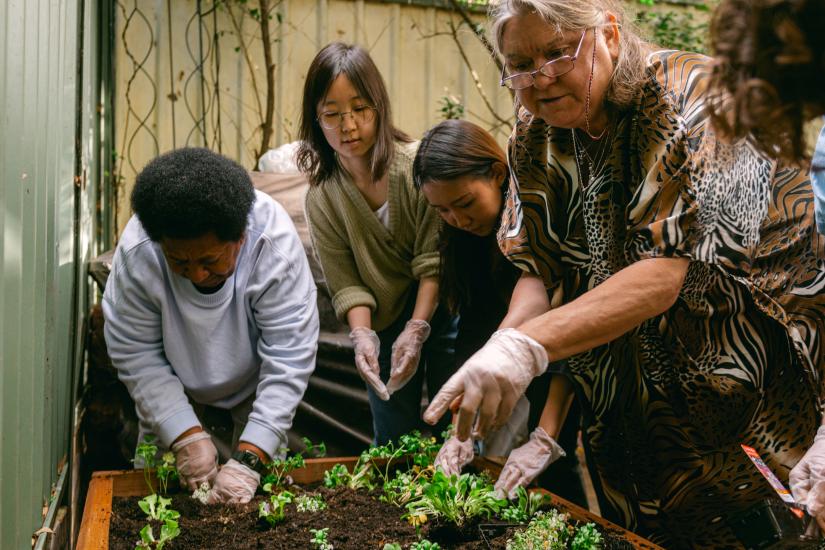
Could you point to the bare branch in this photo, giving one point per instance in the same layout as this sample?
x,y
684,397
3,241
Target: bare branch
x,y
245,52
266,42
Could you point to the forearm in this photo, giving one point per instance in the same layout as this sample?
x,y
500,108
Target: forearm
x,y
624,301
426,299
556,406
529,300
359,316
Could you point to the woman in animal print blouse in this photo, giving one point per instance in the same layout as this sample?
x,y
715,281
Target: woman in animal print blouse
x,y
688,280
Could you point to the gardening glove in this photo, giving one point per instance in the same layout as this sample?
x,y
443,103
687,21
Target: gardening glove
x,y
527,462
197,460
367,345
235,484
454,455
491,382
807,479
406,353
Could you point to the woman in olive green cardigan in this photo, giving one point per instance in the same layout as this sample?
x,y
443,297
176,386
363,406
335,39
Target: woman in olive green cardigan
x,y
375,236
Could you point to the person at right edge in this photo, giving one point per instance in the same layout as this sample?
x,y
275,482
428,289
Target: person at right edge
x,y
770,78
690,275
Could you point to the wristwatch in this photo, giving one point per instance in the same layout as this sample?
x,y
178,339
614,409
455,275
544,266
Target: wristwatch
x,y
249,459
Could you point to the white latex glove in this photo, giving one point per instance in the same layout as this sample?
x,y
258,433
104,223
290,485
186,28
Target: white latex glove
x,y
525,463
367,345
406,353
235,484
491,382
454,455
807,479
197,460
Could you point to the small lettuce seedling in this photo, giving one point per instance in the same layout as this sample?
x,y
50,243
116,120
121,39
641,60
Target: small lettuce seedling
x,y
319,539
456,498
168,531
166,471
587,538
310,503
147,450
552,531
279,469
337,476
425,545
525,506
272,510
156,507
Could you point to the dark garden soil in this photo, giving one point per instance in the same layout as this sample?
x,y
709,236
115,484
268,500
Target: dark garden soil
x,y
356,521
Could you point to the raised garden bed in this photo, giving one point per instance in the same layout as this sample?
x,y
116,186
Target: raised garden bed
x,y
355,519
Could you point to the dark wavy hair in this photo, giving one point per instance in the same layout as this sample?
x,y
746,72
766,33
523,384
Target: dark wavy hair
x,y
316,158
451,150
187,193
769,73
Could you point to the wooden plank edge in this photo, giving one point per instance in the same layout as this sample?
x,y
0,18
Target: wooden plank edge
x,y
94,530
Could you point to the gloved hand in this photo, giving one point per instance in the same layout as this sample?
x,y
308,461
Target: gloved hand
x,y
527,462
491,381
367,346
197,460
807,479
406,353
235,484
454,455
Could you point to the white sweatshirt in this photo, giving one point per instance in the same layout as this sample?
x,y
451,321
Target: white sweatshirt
x,y
259,332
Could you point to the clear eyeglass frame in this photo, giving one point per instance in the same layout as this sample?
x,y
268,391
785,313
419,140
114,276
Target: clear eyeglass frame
x,y
553,68
363,114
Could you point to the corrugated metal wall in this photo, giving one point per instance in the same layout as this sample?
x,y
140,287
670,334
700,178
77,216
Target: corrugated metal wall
x,y
49,161
163,46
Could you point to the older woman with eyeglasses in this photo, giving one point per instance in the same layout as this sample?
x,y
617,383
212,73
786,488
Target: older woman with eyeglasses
x,y
686,285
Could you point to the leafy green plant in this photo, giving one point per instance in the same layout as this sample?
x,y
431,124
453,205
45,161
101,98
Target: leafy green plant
x,y
278,470
147,450
337,476
425,545
451,106
168,531
677,30
156,507
550,530
272,509
166,471
310,503
319,539
525,507
587,538
455,499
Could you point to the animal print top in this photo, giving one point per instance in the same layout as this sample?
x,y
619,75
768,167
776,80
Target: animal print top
x,y
738,358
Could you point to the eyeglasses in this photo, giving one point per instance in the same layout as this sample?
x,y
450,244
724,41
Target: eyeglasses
x,y
363,114
553,68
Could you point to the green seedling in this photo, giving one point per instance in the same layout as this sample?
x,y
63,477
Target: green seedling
x,y
166,471
156,507
425,545
272,510
552,531
455,499
319,539
310,503
392,546
525,507
168,531
587,538
337,476
147,450
279,469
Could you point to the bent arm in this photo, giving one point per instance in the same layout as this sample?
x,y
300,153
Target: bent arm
x,y
621,303
426,299
529,300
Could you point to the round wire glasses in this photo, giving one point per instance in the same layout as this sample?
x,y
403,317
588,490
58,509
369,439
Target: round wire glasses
x,y
331,120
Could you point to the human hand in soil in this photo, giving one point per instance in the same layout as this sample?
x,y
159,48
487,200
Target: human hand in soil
x,y
807,479
527,462
235,484
367,346
454,455
491,382
197,459
406,353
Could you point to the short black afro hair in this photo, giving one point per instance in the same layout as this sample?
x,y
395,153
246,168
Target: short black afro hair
x,y
187,193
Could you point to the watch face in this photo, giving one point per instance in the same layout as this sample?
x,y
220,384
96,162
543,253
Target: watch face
x,y
250,459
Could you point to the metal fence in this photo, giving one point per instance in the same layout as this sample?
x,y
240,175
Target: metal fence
x,y
49,225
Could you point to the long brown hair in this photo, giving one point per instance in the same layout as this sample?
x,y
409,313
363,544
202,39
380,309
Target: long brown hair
x,y
769,73
316,158
448,151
